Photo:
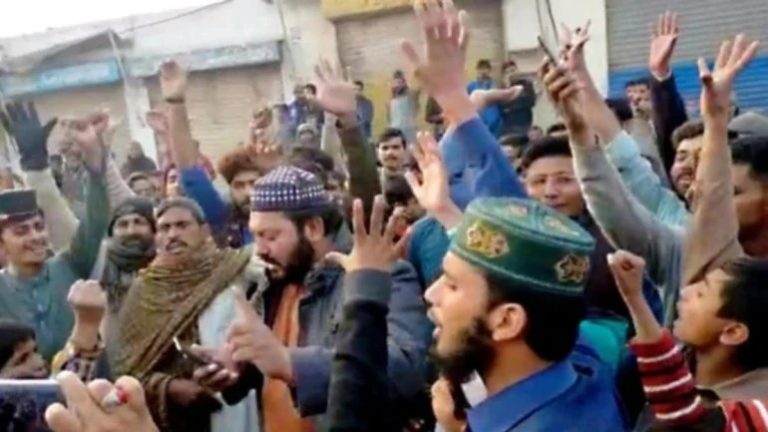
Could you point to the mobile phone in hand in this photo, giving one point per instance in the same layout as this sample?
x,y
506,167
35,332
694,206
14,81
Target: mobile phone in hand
x,y
190,355
23,404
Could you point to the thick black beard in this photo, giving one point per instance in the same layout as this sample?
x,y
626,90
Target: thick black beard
x,y
299,264
475,354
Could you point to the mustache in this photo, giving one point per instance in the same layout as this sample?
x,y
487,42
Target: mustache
x,y
177,243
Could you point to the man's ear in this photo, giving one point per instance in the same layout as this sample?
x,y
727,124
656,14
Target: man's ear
x,y
507,321
314,229
734,334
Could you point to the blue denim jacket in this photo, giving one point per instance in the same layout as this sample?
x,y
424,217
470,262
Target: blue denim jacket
x,y
576,394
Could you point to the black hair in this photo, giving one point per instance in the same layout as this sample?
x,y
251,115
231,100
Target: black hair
x,y
752,151
620,108
397,191
484,63
640,81
14,219
11,335
321,158
133,178
513,140
688,130
555,128
331,217
745,300
550,339
546,147
312,88
390,133
184,203
359,84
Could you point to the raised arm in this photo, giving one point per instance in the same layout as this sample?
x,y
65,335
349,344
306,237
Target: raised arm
x,y
668,107
713,237
31,136
84,250
336,95
173,83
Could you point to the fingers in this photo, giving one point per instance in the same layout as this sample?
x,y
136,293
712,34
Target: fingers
x,y
452,15
748,55
411,56
705,75
465,33
59,419
358,221
739,44
377,216
99,389
413,182
76,394
723,55
134,393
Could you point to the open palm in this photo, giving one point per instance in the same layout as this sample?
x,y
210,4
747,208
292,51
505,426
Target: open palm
x,y
663,39
432,190
717,84
173,80
335,93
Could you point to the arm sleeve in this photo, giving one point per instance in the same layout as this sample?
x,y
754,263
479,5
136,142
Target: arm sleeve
x,y
668,114
713,235
330,142
86,245
624,221
361,165
476,164
667,381
406,345
59,218
357,398
117,188
197,186
642,181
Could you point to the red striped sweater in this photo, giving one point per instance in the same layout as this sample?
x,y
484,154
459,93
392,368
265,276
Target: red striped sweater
x,y
669,388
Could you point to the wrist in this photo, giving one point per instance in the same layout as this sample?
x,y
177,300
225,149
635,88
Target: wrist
x,y
661,73
457,106
448,215
347,120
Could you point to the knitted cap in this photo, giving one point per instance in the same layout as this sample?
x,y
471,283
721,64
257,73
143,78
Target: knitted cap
x,y
526,242
18,203
289,189
133,205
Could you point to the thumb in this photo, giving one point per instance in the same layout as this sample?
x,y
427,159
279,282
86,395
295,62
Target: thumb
x,y
243,308
337,257
49,126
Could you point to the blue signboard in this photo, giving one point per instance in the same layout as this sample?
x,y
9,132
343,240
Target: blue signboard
x,y
103,72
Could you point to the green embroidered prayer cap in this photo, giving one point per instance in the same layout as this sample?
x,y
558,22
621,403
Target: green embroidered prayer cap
x,y
525,242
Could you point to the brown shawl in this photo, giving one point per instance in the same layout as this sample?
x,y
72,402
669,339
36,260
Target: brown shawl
x,y
165,301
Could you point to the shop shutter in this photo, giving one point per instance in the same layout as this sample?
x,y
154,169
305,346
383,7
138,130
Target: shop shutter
x,y
220,103
704,25
370,46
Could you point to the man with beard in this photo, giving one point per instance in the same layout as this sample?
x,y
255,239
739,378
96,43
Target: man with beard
x,y
34,285
130,248
512,266
295,225
186,295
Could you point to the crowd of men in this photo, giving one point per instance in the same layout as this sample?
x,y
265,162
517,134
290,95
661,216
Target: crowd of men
x,y
604,275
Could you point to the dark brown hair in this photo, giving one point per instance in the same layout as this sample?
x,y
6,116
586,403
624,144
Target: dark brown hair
x,y
688,130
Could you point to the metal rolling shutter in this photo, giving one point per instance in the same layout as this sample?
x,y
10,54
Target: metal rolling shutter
x,y
220,103
370,46
704,24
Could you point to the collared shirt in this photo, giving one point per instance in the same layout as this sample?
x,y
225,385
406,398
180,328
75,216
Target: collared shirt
x,y
576,394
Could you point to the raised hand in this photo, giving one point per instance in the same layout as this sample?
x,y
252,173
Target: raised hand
x,y
31,136
157,120
432,189
440,69
335,93
374,249
88,301
251,341
663,40
84,413
628,271
173,81
717,84
88,133
221,371
572,42
444,407
564,90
